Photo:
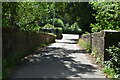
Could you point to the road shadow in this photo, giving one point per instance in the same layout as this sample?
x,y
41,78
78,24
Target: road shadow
x,y
53,62
62,50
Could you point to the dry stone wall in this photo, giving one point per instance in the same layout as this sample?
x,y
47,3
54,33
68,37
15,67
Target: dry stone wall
x,y
100,41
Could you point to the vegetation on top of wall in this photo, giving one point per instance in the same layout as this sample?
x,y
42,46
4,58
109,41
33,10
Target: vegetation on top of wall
x,y
58,22
48,26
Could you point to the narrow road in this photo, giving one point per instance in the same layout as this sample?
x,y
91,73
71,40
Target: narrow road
x,y
62,59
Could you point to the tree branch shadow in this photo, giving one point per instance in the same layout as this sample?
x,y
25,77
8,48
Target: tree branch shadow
x,y
53,62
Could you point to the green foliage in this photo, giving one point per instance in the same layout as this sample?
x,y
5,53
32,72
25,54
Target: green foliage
x,y
107,16
9,63
66,28
55,30
71,12
81,13
94,52
9,14
114,62
23,14
58,22
110,72
74,28
96,55
32,27
60,29
48,26
112,66
84,45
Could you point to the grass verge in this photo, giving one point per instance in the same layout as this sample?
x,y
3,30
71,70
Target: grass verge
x,y
110,73
84,45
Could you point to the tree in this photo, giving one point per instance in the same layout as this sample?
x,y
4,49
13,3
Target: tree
x,y
80,12
23,14
9,14
107,16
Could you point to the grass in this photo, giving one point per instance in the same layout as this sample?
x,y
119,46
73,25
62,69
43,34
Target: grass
x,y
84,45
9,63
110,73
13,60
96,55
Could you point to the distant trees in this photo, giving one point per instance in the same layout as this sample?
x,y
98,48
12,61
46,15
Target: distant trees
x,y
79,12
30,15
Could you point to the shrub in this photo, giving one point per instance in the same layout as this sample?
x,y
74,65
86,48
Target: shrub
x,y
74,28
114,62
48,26
55,30
58,22
66,28
110,72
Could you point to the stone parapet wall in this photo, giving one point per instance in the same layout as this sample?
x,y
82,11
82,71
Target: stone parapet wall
x,y
100,41
18,42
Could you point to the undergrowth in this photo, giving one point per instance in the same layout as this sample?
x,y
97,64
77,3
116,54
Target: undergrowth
x,y
112,66
85,45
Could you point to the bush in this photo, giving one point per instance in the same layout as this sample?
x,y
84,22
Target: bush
x,y
114,62
58,22
48,26
72,28
110,72
75,28
55,30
